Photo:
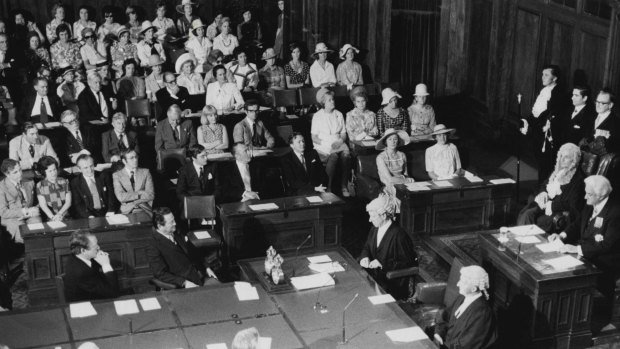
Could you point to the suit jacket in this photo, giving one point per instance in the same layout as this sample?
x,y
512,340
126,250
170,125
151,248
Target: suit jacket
x,y
28,104
89,108
301,181
581,126
19,150
127,195
604,254
173,263
165,139
242,133
476,328
189,184
82,199
611,124
84,283
165,100
395,252
10,203
71,145
110,143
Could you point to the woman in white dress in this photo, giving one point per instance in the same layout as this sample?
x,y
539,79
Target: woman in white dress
x,y
442,159
223,95
225,42
199,45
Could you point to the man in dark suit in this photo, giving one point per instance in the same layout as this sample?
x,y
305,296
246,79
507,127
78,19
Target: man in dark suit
x,y
388,247
92,104
40,107
605,137
579,122
77,140
303,169
88,272
171,258
10,65
196,177
242,180
118,139
173,133
172,94
92,194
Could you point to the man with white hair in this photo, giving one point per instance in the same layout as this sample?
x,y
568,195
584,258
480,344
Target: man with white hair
x,y
92,103
469,322
388,247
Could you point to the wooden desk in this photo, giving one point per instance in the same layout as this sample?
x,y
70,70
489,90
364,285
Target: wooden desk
x,y
549,308
463,206
365,323
47,250
248,233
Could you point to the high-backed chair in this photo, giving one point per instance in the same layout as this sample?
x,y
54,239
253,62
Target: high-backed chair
x,y
138,109
307,96
199,208
169,161
284,98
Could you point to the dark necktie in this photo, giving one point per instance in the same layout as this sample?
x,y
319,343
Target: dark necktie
x,y
79,140
201,177
255,137
121,144
20,193
177,133
153,49
31,150
303,162
43,114
132,179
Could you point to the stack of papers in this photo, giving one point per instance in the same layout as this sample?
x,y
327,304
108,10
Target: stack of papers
x,y
443,184
263,207
319,259
501,181
148,304
117,219
406,335
312,281
56,225
202,235
245,291
263,343
564,262
527,239
84,309
474,179
421,186
314,199
381,299
329,267
126,307
525,230
553,246
35,226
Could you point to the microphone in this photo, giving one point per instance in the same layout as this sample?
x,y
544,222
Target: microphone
x,y
297,253
344,336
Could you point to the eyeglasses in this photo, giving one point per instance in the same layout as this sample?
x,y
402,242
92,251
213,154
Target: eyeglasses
x,y
88,37
603,103
71,122
173,82
252,110
108,15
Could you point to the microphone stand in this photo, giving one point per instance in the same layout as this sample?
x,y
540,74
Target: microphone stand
x,y
297,253
518,150
344,336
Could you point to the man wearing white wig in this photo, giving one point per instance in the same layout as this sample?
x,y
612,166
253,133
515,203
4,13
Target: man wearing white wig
x,y
388,247
469,322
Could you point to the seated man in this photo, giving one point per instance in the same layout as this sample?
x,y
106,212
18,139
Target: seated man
x,y
241,183
388,247
92,194
29,147
252,132
172,94
77,139
171,258
92,103
118,139
196,177
173,133
16,200
40,107
605,137
133,186
88,272
469,322
303,169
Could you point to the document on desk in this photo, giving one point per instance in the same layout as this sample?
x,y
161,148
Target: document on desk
x,y
264,207
117,219
217,346
553,246
417,187
319,259
50,124
98,122
443,184
502,181
381,299
312,281
406,335
202,234
224,155
525,230
474,179
148,304
564,262
126,307
35,226
263,343
56,225
314,199
83,309
245,291
528,239
329,267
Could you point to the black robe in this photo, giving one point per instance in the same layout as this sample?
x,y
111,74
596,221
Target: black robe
x,y
476,328
84,283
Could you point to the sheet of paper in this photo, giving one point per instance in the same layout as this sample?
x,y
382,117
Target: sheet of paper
x,y
502,181
83,309
443,184
329,267
314,199
292,116
263,207
117,219
174,180
245,291
369,143
98,122
150,304
406,335
126,307
417,187
381,299
207,222
319,259
528,239
526,230
564,262
224,155
217,346
474,179
56,225
260,152
36,226
203,234
263,108
553,246
263,343
312,281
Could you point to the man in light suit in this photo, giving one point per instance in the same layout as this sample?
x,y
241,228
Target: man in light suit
x,y
173,133
196,177
17,204
29,147
133,186
40,107
303,169
118,139
252,132
92,194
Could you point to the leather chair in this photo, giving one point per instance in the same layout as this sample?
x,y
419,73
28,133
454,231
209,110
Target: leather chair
x,y
169,161
284,98
201,207
139,109
307,96
161,285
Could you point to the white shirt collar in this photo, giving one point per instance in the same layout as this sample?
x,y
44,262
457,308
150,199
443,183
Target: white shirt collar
x,y
469,299
87,261
130,170
598,207
382,230
197,167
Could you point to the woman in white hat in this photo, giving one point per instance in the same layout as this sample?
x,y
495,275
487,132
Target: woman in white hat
x,y
83,22
225,42
442,159
88,51
245,73
349,72
322,72
188,78
122,50
154,81
390,115
360,121
199,45
297,71
422,115
165,26
391,163
184,23
130,86
149,44
329,136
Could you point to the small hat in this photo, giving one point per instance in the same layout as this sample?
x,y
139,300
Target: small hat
x,y
155,60
357,91
197,23
345,48
121,30
87,31
321,48
388,94
269,54
182,59
403,138
441,128
183,3
421,90
146,25
320,94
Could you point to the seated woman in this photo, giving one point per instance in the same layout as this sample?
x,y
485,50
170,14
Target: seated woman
x,y
390,115
223,95
121,50
349,72
271,77
216,57
563,191
64,51
322,72
442,159
88,51
199,45
130,86
53,192
154,81
225,42
360,121
422,115
388,247
391,163
36,55
188,78
245,73
328,136
211,134
469,322
297,71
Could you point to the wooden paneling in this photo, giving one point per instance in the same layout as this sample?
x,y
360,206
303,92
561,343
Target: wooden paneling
x,y
591,58
558,48
525,77
480,40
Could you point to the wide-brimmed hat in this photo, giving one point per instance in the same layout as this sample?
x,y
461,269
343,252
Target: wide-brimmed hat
x,y
358,91
197,23
387,94
269,54
182,59
441,128
146,25
345,48
421,90
403,138
320,94
154,60
321,48
179,8
122,30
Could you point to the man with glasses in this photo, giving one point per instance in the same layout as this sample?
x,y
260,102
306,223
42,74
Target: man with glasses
x,y
118,139
40,106
172,94
605,137
77,139
252,132
133,186
29,147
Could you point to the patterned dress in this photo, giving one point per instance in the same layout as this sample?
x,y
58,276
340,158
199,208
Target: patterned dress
x,y
297,77
61,55
54,193
423,121
50,29
389,167
361,121
211,136
400,122
120,53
